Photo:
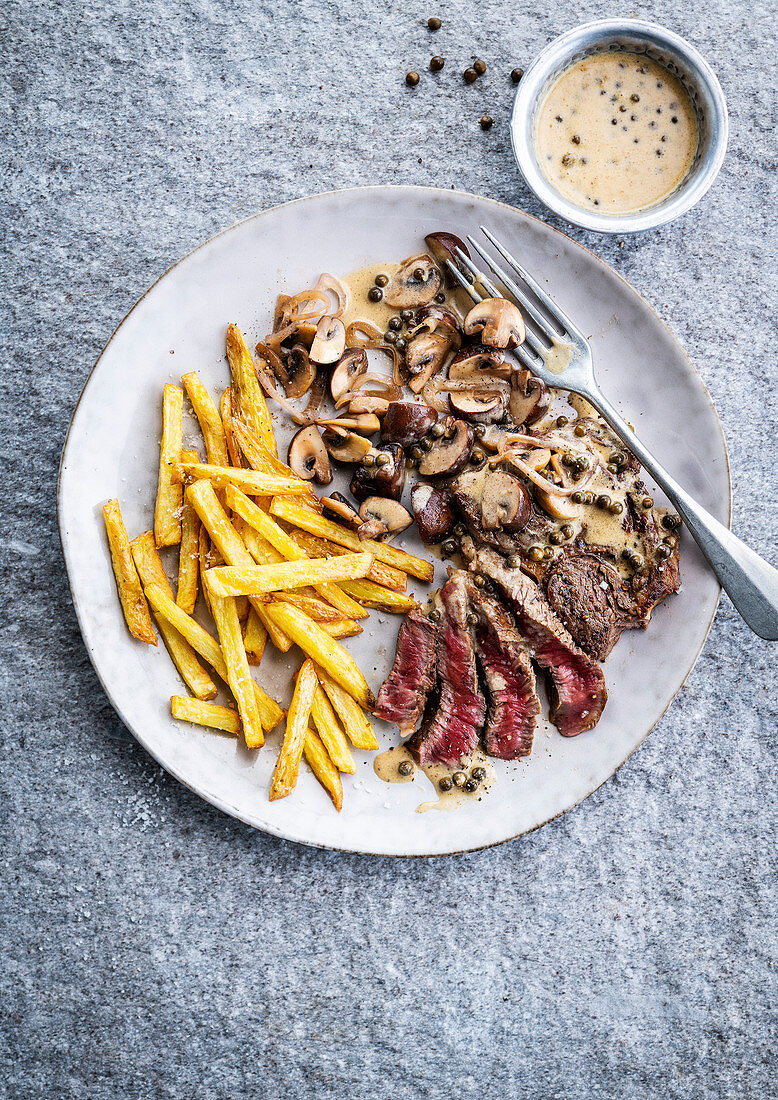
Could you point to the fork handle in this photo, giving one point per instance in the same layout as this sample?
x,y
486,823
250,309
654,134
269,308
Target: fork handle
x,y
749,581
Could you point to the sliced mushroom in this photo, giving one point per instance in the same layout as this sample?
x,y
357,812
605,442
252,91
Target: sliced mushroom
x,y
329,341
352,363
438,319
432,510
441,246
476,360
478,408
372,528
366,403
414,284
499,322
384,388
561,508
297,374
389,512
364,423
346,446
505,503
530,398
342,508
425,357
449,455
407,422
308,456
384,477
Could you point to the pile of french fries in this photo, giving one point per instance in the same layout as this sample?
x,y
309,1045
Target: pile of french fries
x,y
253,542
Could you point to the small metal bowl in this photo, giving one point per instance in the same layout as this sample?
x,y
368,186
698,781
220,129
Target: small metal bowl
x,y
663,46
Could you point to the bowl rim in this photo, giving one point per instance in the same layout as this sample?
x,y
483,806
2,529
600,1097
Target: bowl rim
x,y
532,85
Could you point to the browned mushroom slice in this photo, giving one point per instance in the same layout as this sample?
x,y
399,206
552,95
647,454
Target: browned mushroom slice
x,y
441,246
530,399
478,408
297,373
384,476
372,528
449,455
368,403
364,423
390,513
432,511
308,456
342,508
414,284
499,322
476,360
351,364
505,503
438,319
425,357
329,341
346,446
407,422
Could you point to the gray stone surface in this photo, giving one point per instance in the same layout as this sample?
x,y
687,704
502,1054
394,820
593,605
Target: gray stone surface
x,y
154,948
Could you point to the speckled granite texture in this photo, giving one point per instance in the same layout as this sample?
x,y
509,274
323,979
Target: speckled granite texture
x,y
151,946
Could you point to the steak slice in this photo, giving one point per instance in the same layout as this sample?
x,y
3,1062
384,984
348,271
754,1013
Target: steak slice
x,y
403,695
592,600
577,687
450,734
510,680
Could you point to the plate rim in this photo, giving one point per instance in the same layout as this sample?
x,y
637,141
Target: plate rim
x,y
215,800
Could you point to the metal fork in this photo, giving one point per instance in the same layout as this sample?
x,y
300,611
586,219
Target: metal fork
x,y
750,582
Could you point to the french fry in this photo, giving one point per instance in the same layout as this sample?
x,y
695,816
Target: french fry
x,y
323,768
238,674
248,399
278,637
329,730
318,610
204,556
205,714
250,481
263,553
343,628
254,637
374,595
256,453
352,717
320,647
310,521
167,510
208,417
152,572
233,448
288,763
250,580
128,585
224,537
380,572
203,643
188,552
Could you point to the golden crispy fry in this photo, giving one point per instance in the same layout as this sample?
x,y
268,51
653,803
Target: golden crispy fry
x,y
352,717
250,481
203,643
278,637
247,581
254,637
318,610
152,572
288,763
300,516
317,644
208,417
263,553
205,555
323,768
233,448
224,537
128,585
188,552
330,732
380,572
374,595
343,628
167,510
238,674
248,399
205,714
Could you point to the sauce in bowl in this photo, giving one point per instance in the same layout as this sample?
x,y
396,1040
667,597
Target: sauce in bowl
x,y
616,132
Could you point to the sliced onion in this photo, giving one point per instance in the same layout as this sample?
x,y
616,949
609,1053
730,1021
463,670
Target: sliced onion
x,y
339,289
354,340
267,385
543,482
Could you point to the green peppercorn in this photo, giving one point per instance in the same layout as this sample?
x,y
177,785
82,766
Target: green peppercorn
x,y
671,522
535,553
514,561
459,530
445,783
417,453
381,280
479,66
390,336
637,561
567,459
477,456
434,23
425,444
437,430
434,614
383,460
603,501
556,537
410,464
418,274
472,618
437,63
375,294
395,324
407,315
400,343
368,460
405,767
486,122
478,774
548,553
612,468
449,547
647,502
459,779
470,786
567,530
411,79
470,75
616,508
578,430
561,421
479,431
670,540
617,458
439,298
577,497
478,580
663,552
516,75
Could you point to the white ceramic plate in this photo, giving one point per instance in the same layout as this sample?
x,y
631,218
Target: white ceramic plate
x,y
112,450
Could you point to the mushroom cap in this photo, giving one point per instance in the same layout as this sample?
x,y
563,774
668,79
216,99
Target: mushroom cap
x,y
441,245
530,399
425,356
346,446
308,457
505,503
499,322
449,456
476,360
414,284
341,507
407,422
351,364
435,318
298,372
432,510
329,341
387,511
478,408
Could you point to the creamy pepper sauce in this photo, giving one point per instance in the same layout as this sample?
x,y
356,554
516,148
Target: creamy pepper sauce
x,y
617,132
386,766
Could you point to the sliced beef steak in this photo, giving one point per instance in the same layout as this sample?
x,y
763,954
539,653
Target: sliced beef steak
x,y
403,695
592,600
578,692
450,734
509,678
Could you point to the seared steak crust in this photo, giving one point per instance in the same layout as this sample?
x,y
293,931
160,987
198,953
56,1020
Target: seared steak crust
x,y
509,679
592,600
450,734
577,686
403,695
